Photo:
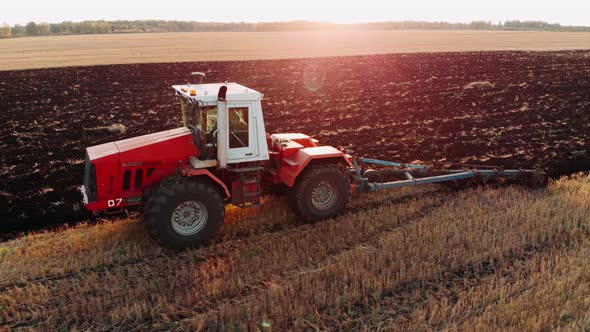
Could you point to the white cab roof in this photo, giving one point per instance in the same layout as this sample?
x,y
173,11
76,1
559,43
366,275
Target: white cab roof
x,y
207,93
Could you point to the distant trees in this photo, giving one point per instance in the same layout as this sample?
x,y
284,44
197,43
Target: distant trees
x,y
32,29
19,31
91,27
481,25
475,25
80,28
534,25
5,31
43,29
94,27
64,28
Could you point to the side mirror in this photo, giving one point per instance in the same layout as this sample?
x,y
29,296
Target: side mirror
x,y
221,95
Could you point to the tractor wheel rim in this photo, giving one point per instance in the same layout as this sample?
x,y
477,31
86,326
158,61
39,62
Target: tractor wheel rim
x,y
189,218
323,196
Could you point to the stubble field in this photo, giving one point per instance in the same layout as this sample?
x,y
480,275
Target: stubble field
x,y
411,259
88,50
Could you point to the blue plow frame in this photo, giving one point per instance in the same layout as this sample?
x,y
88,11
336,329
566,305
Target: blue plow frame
x,y
416,174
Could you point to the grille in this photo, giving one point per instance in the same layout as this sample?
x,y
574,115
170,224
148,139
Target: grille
x,y
90,180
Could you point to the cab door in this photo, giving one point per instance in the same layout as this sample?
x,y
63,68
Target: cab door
x,y
241,131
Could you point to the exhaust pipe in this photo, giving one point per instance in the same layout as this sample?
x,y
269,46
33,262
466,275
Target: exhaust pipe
x,y
222,127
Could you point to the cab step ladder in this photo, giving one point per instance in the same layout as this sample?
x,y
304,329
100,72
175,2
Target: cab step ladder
x,y
248,176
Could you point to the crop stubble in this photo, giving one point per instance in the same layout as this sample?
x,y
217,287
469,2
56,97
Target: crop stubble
x,y
468,260
89,50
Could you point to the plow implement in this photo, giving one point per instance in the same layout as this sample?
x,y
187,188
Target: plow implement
x,y
182,178
390,174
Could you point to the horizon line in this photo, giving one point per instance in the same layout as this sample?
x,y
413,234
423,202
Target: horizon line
x,y
493,23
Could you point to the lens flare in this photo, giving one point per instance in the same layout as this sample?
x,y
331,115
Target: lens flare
x,y
314,77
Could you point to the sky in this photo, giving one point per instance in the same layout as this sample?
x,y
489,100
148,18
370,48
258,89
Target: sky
x,y
565,12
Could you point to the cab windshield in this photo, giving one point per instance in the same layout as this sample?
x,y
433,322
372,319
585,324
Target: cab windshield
x,y
204,118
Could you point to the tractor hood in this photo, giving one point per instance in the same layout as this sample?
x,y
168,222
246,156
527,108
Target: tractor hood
x,y
121,169
107,149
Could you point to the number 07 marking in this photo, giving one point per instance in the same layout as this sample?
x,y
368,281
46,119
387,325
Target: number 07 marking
x,y
114,202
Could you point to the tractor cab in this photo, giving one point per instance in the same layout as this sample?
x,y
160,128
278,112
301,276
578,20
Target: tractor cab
x,y
226,120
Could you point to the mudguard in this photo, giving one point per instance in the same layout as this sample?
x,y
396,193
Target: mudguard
x,y
296,163
187,170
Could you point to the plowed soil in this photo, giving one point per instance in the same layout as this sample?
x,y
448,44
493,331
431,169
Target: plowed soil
x,y
407,107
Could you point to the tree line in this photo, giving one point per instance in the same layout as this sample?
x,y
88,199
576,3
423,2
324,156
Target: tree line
x,y
143,26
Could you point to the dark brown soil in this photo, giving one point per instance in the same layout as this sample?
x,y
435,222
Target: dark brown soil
x,y
402,107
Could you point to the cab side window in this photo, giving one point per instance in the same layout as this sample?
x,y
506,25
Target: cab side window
x,y
208,121
238,127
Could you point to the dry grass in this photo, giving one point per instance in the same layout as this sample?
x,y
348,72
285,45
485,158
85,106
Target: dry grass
x,y
412,259
72,250
86,50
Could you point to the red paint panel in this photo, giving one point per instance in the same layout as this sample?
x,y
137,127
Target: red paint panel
x,y
302,139
292,167
164,152
289,148
175,149
151,139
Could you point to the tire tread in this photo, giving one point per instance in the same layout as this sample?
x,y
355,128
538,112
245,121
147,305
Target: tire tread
x,y
164,194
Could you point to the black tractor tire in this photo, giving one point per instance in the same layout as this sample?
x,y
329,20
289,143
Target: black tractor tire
x,y
184,213
321,192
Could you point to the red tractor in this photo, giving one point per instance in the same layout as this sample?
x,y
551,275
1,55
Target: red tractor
x,y
222,154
